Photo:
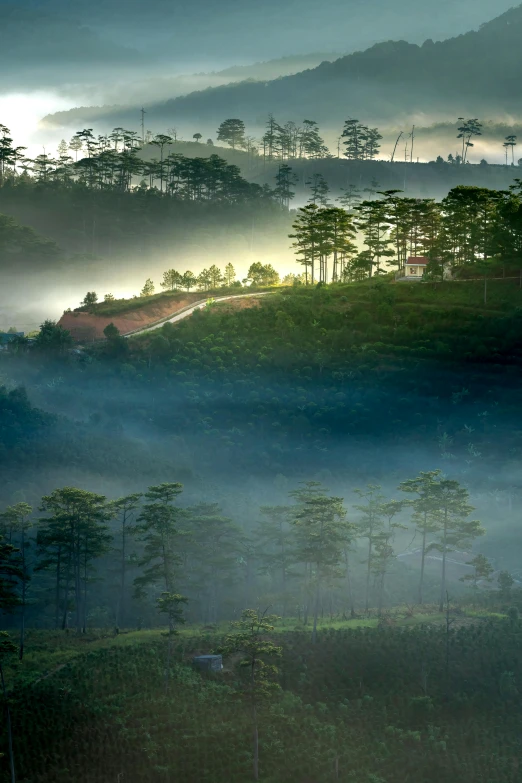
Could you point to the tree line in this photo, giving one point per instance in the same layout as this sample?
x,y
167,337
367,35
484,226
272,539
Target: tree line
x,y
472,231
111,162
209,279
357,141
153,550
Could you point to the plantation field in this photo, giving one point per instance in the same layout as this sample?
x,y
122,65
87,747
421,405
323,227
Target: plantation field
x,y
49,651
361,704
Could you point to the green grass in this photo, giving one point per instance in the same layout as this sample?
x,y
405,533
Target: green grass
x,y
46,652
122,306
501,294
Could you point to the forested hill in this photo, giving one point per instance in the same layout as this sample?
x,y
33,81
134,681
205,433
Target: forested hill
x,y
416,180
155,88
474,73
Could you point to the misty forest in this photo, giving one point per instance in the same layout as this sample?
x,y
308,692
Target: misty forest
x,y
260,373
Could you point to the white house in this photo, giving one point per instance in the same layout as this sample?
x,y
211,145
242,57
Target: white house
x,y
415,267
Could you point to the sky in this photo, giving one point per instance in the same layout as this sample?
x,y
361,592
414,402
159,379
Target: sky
x,y
58,54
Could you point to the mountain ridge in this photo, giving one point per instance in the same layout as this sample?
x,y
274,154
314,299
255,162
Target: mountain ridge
x,y
474,72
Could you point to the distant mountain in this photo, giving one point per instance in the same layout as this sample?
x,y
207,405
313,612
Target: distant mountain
x,y
39,48
213,34
475,74
157,88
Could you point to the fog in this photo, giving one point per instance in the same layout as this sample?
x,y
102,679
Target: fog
x,y
28,298
142,436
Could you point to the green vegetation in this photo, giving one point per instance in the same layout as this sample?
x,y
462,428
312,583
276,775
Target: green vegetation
x,y
106,199
399,627
400,687
362,704
21,243
472,232
315,493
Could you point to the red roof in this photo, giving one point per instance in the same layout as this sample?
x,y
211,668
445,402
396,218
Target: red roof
x,y
417,260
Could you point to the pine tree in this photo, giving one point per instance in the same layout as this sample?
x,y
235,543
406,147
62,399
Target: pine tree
x,y
482,570
340,234
125,509
203,280
72,537
374,226
350,198
370,526
321,535
319,190
158,528
215,276
424,505
311,143
275,536
17,521
270,137
258,683
230,274
171,279
188,280
451,511
308,233
283,189
148,288
213,553
232,132
468,130
356,137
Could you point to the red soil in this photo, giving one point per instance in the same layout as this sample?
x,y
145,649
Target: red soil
x,y
87,327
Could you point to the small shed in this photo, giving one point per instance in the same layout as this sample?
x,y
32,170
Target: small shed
x,y
208,663
415,267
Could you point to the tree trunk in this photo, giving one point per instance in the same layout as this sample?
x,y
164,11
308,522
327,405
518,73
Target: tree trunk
x,y
84,608
423,559
78,594
57,592
443,577
22,626
316,610
24,588
9,727
255,742
120,611
368,574
169,653
350,592
65,603
381,593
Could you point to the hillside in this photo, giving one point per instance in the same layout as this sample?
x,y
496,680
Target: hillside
x,y
126,315
160,87
473,74
102,707
347,385
419,180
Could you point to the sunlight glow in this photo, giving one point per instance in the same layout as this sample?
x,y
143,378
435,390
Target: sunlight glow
x,y
22,112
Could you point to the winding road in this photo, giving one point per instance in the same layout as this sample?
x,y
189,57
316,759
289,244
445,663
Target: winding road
x,y
186,311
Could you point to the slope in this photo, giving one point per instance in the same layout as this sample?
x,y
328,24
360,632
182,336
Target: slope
x,y
474,73
151,88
